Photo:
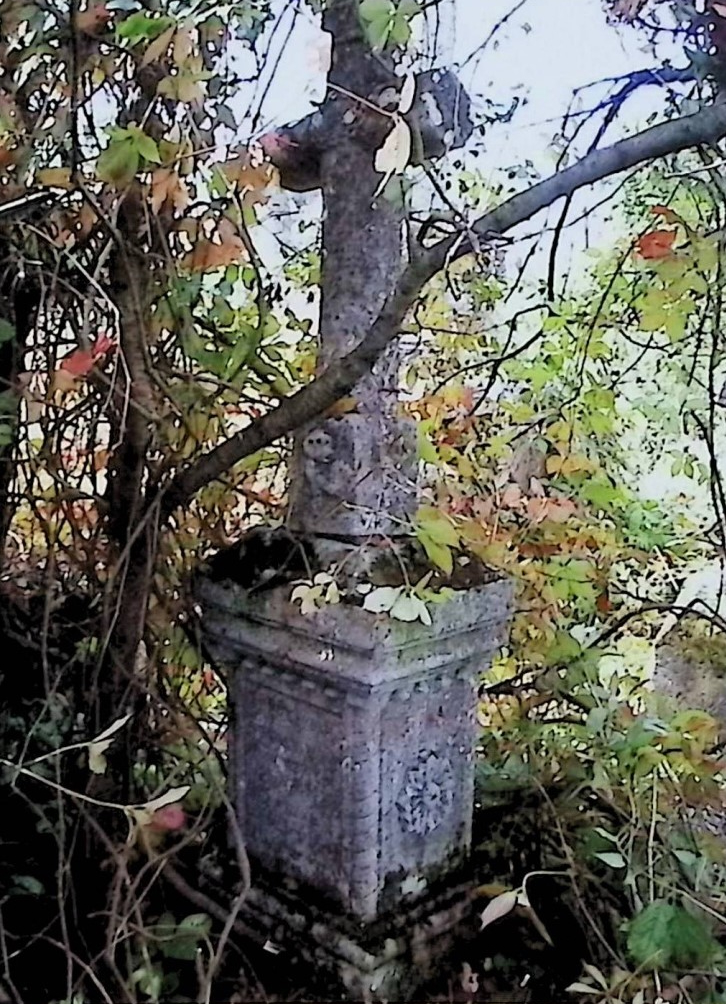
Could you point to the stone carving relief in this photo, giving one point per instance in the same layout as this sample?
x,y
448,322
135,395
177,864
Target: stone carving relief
x,y
427,793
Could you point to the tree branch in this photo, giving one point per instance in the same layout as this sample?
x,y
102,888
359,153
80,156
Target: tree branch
x,y
339,378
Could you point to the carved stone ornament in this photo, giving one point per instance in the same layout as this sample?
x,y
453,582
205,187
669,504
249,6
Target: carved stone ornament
x,y
427,794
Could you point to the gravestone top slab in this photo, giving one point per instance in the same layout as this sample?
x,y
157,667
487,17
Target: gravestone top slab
x,y
350,644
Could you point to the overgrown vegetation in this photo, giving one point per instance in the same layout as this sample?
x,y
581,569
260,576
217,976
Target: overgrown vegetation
x,y
157,351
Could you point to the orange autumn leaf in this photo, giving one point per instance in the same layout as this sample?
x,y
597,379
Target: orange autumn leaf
x,y
251,178
669,216
656,244
511,496
7,154
72,228
225,248
556,510
167,188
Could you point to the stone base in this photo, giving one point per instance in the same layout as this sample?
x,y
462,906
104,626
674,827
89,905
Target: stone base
x,y
352,764
389,960
353,738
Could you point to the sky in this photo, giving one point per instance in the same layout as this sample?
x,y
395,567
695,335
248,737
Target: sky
x,y
547,50
543,54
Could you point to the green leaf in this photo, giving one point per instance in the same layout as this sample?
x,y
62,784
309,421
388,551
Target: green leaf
x,y
372,10
601,492
7,331
118,163
377,16
664,936
437,553
141,26
539,376
596,719
426,449
27,885
145,145
410,608
437,525
437,535
197,924
612,859
399,31
653,318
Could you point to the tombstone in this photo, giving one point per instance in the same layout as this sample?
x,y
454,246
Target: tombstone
x,y
353,733
353,771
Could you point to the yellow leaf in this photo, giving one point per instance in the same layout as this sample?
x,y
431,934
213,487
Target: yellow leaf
x,y
571,464
183,46
55,177
578,464
491,889
344,406
554,464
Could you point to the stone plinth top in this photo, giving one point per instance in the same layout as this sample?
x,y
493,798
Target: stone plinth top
x,y
344,642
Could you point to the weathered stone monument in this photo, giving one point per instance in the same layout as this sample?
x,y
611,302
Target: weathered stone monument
x,y
353,733
353,774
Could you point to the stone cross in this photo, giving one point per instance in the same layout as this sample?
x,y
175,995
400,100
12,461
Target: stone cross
x,y
354,475
352,749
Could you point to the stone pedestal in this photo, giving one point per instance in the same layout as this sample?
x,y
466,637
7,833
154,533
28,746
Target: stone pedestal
x,y
353,772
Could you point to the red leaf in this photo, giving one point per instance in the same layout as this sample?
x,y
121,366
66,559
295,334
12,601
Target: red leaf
x,y
102,346
168,818
78,363
656,244
603,603
275,144
81,362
